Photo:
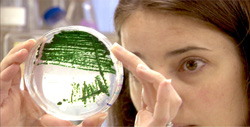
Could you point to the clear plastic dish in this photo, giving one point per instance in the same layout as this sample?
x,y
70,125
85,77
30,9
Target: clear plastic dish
x,y
71,73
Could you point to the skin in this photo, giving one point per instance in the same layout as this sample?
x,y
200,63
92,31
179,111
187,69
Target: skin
x,y
204,65
17,106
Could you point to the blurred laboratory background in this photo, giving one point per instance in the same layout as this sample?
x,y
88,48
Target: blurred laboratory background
x,y
29,19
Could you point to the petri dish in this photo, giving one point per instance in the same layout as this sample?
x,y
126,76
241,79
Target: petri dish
x,y
72,74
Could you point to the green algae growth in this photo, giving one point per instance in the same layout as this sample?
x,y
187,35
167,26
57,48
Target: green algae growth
x,y
84,92
80,50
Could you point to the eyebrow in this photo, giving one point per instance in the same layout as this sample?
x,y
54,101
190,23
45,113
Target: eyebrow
x,y
177,51
186,49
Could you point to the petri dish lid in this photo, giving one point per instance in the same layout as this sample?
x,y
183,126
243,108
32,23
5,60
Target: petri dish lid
x,y
72,74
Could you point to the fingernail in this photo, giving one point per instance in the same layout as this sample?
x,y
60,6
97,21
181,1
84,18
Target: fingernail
x,y
142,67
118,47
168,80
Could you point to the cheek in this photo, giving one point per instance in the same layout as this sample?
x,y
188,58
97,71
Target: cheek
x,y
205,96
221,85
217,92
210,97
224,90
135,92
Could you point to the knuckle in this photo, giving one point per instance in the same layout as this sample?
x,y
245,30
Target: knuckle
x,y
177,101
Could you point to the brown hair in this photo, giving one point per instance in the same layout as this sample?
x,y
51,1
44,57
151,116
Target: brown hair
x,y
230,16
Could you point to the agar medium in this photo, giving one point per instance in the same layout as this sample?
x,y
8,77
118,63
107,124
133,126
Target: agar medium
x,y
72,74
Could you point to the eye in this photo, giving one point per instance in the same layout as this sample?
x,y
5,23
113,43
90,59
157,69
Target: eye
x,y
192,65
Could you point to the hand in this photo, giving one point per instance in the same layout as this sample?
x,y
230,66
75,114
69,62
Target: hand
x,y
17,106
160,101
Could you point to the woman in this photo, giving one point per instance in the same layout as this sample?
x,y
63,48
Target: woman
x,y
188,63
201,45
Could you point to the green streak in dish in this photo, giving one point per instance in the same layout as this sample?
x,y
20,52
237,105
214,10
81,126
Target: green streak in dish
x,y
86,91
77,49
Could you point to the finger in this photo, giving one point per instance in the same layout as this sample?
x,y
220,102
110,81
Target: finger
x,y
167,104
95,121
148,75
19,56
152,80
8,74
25,45
128,59
161,114
131,61
7,78
148,97
49,120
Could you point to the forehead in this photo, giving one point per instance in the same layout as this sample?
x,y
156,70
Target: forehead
x,y
146,21
148,26
146,32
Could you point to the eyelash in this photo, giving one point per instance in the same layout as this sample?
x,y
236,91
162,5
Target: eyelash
x,y
200,64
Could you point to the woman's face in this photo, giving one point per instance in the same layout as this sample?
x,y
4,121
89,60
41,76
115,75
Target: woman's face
x,y
203,63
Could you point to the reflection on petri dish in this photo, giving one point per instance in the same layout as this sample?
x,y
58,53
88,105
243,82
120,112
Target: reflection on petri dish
x,y
71,73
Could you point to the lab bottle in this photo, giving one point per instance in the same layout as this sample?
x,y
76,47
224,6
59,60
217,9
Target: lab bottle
x,y
81,12
55,17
